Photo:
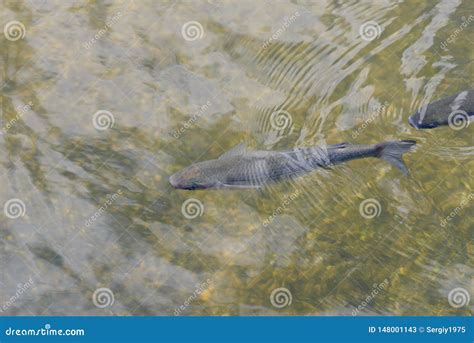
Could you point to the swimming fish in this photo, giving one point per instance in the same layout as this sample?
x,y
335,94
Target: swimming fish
x,y
453,110
240,168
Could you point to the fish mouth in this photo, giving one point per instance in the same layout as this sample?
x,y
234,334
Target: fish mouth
x,y
421,125
173,181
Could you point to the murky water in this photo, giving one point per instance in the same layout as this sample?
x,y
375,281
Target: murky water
x,y
102,101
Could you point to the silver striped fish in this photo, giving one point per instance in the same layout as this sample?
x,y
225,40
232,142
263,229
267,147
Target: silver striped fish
x,y
240,168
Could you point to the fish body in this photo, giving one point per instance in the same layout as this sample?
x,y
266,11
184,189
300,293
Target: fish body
x,y
446,111
239,168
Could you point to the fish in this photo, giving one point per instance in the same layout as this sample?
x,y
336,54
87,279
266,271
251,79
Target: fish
x,y
453,110
241,168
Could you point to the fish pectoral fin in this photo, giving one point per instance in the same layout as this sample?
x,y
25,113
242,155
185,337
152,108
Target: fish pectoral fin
x,y
237,150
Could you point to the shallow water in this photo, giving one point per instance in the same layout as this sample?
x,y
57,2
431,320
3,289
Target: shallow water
x,y
102,231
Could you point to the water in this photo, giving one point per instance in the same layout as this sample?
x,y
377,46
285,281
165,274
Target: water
x,y
99,212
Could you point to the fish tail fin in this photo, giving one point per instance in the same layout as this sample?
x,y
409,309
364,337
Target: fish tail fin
x,y
392,152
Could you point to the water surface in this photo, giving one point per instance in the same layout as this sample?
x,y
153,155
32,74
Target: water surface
x,y
99,212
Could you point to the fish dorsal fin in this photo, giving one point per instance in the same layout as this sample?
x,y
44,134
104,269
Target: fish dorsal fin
x,y
237,150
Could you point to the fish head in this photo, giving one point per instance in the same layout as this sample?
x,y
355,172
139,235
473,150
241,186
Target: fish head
x,y
424,119
193,177
445,111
